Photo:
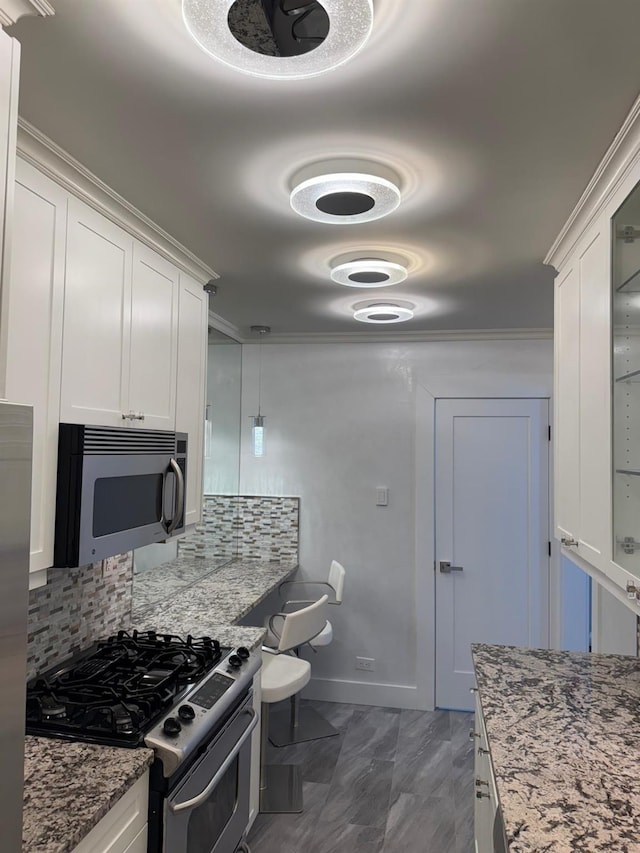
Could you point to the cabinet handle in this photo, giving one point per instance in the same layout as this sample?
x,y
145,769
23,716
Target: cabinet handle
x,y
133,416
473,690
473,734
568,542
480,782
481,795
482,751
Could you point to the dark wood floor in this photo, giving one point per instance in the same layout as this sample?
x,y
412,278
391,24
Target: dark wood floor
x,y
392,782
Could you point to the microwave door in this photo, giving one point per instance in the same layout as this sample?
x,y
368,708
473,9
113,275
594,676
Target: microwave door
x,y
127,502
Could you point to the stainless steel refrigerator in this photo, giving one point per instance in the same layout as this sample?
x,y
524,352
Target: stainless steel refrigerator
x,y
15,511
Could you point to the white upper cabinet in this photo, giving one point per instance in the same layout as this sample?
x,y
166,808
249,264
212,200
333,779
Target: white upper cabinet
x,y
120,344
192,355
34,340
154,340
97,320
567,413
597,371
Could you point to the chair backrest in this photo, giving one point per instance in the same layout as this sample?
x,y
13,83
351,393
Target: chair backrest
x,y
303,625
336,579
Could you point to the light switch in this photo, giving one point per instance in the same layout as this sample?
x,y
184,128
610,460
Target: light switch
x,y
382,496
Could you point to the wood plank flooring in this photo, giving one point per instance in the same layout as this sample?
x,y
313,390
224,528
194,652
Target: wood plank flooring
x,y
392,781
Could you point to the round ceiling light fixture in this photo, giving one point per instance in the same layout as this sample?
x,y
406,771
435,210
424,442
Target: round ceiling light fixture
x,y
383,312
369,272
207,21
345,198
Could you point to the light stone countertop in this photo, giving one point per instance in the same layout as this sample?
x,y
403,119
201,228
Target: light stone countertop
x,y
69,787
564,738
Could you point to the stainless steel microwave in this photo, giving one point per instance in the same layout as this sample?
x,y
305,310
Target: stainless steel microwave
x,y
118,489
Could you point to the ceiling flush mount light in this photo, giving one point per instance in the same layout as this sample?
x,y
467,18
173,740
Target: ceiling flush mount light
x,y
345,198
383,312
207,21
369,272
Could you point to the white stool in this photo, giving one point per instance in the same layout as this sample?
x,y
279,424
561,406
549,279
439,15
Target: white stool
x,y
302,724
282,677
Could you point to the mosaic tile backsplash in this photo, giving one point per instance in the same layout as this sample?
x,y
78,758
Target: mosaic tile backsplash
x,y
77,607
247,526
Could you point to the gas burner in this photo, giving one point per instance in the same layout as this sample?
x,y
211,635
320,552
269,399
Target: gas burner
x,y
117,690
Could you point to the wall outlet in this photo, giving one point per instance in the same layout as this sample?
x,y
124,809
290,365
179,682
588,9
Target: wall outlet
x,y
366,664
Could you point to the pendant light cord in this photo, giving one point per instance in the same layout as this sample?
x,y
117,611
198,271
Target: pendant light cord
x,y
259,376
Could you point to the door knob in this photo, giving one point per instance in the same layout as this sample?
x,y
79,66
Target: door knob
x,y
446,568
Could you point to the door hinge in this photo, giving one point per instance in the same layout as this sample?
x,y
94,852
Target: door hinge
x,y
549,432
549,548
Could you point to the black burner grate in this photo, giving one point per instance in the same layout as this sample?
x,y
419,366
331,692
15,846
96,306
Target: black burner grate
x,y
114,692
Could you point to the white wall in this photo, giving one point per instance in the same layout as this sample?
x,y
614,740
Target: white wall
x,y
342,419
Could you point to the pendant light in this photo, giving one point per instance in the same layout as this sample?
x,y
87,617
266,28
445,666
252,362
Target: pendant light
x,y
257,421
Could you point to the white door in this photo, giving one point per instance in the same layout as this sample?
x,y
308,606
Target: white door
x,y
154,338
492,531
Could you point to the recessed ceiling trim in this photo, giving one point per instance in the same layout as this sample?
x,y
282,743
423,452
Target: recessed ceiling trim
x,y
369,272
308,196
350,25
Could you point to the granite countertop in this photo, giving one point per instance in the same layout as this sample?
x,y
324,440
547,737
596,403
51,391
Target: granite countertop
x,y
69,787
214,604
564,737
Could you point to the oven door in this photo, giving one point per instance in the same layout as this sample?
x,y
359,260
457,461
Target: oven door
x,y
208,811
128,501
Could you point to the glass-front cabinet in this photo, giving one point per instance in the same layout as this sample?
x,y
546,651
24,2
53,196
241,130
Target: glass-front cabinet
x,y
626,383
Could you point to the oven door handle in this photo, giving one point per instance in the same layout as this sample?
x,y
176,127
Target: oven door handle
x,y
176,808
178,512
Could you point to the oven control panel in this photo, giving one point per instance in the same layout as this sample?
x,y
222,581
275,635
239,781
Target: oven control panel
x,y
199,713
213,688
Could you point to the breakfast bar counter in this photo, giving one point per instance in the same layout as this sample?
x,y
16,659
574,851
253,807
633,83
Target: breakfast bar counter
x,y
563,731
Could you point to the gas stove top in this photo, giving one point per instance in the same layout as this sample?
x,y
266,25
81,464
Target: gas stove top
x,y
116,691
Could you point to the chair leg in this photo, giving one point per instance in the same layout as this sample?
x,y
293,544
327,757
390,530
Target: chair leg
x,y
298,725
280,784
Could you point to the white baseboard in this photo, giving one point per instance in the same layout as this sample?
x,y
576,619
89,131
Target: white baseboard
x,y
364,693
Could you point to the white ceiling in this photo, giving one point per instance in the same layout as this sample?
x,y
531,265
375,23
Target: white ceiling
x,y
495,113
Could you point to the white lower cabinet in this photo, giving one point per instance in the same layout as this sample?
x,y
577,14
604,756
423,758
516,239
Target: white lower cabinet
x,y
485,794
124,828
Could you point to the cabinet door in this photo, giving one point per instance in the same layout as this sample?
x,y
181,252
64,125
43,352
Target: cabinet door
x,y
154,332
97,319
567,403
124,827
34,339
595,397
192,355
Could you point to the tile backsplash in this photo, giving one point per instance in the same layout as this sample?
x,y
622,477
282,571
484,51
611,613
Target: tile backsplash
x,y
77,607
248,526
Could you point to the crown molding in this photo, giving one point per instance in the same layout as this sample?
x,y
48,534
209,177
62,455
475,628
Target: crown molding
x,y
621,157
399,337
222,325
48,157
12,10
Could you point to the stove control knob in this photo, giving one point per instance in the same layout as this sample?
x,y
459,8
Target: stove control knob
x,y
242,653
172,726
186,713
235,662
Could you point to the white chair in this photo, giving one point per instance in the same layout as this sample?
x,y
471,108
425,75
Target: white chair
x,y
302,724
282,677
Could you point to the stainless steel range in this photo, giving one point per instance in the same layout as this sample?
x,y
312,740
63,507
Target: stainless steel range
x,y
190,700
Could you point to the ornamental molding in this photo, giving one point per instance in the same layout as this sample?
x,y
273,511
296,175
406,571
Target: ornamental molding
x,y
12,10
